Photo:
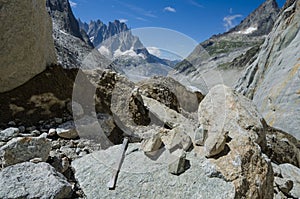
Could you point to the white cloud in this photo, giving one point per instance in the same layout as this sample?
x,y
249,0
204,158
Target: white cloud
x,y
123,20
137,9
154,51
141,19
169,9
73,4
229,21
195,3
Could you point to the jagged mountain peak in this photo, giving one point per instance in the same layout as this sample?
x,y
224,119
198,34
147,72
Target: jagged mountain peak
x,y
61,9
98,31
260,21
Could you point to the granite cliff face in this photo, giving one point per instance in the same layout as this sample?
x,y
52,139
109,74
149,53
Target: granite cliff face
x,y
25,52
227,53
73,48
273,79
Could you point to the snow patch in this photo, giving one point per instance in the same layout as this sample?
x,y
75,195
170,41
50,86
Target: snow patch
x,y
92,39
131,53
119,53
63,32
154,51
104,51
247,31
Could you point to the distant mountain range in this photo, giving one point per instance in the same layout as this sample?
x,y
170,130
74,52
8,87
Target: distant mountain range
x,y
112,45
129,56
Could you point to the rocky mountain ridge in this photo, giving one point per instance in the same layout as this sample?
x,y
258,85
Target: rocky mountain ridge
x,y
99,32
73,47
217,53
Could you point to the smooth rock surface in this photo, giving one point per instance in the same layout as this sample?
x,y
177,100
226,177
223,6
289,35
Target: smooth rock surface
x,y
215,143
29,180
20,41
140,175
272,80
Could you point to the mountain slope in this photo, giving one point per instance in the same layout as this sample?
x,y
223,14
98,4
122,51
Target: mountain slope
x,y
273,79
73,48
219,51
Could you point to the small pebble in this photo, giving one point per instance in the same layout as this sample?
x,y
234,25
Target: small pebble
x,y
32,128
51,132
58,120
22,129
36,160
12,123
35,133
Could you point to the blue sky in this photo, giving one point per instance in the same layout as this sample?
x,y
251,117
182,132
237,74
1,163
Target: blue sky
x,y
198,19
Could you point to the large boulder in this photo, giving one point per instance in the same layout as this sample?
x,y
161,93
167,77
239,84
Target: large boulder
x,y
29,180
26,42
227,112
171,93
24,149
236,136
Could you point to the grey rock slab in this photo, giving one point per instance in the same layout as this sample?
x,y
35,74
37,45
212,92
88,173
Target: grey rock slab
x,y
143,177
29,180
151,144
176,138
8,134
24,149
215,144
178,165
200,136
272,80
67,130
